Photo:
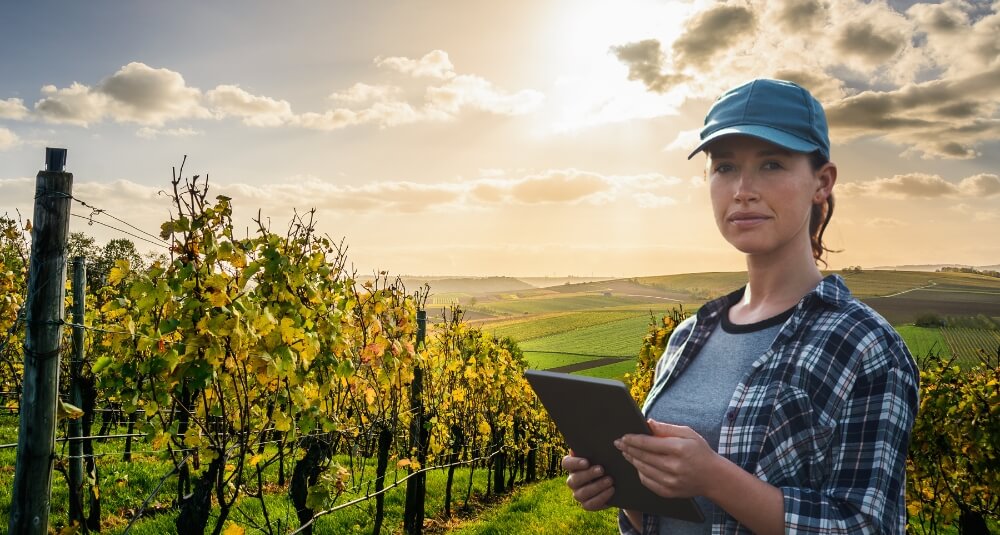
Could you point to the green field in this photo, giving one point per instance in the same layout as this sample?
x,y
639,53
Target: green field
x,y
544,361
622,338
558,303
610,371
523,330
618,331
966,344
924,340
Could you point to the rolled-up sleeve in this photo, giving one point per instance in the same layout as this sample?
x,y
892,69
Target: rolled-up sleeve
x,y
864,492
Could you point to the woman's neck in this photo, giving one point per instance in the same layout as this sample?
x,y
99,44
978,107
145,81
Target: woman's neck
x,y
775,284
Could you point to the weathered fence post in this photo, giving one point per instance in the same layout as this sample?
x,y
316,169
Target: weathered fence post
x,y
29,510
413,511
76,395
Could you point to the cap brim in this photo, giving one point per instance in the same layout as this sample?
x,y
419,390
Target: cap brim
x,y
772,135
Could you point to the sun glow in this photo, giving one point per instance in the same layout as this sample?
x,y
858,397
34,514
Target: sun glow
x,y
593,87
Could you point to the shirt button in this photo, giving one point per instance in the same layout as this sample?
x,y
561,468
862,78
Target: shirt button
x,y
731,415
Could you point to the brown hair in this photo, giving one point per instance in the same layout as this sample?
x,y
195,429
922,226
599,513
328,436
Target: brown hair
x,y
821,214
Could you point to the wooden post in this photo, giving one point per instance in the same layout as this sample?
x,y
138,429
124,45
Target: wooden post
x,y
29,509
413,510
76,395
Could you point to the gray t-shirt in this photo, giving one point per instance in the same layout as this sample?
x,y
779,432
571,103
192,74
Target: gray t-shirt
x,y
699,396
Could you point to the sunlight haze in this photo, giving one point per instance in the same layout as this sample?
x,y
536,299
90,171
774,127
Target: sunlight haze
x,y
523,138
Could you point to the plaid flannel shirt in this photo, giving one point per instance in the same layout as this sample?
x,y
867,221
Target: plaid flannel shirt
x,y
824,414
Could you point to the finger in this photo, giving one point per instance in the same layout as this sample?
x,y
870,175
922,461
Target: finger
x,y
590,493
659,445
663,429
574,464
600,500
666,487
582,478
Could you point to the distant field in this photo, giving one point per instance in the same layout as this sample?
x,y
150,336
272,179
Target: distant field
x,y
539,360
573,302
702,286
622,338
956,303
921,341
573,324
965,343
523,330
610,371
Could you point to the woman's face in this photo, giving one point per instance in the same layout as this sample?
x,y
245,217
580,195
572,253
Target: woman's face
x,y
762,195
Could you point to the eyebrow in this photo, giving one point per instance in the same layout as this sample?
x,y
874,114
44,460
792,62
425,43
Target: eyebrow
x,y
760,154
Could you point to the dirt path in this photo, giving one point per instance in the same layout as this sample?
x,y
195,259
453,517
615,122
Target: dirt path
x,y
580,366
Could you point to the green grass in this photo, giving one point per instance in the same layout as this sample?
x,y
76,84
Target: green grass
x,y
523,329
611,371
922,340
544,361
124,487
543,508
622,338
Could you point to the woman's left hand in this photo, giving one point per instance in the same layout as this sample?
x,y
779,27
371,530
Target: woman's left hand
x,y
673,462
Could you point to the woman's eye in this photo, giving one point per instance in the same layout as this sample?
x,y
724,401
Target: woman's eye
x,y
723,168
772,166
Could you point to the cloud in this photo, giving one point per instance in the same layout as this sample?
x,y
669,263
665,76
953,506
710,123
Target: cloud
x,y
468,91
645,60
712,32
987,216
925,186
75,104
434,64
571,186
13,108
685,140
361,92
824,87
557,186
926,79
869,43
136,93
383,114
799,16
884,222
8,139
940,118
956,41
231,100
151,97
706,35
152,133
442,101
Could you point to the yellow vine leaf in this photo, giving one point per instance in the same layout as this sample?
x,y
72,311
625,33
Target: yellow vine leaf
x,y
233,529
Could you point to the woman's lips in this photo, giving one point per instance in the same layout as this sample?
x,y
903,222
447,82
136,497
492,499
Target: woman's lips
x,y
747,220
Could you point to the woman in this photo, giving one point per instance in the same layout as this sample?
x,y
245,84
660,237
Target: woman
x,y
789,402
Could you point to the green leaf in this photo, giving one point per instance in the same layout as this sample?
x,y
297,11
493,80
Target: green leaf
x,y
317,496
101,363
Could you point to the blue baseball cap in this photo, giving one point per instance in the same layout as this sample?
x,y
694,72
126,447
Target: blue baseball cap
x,y
777,111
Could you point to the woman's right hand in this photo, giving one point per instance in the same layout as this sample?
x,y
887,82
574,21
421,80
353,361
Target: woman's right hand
x,y
590,486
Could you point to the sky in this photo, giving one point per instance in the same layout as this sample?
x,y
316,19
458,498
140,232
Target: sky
x,y
521,138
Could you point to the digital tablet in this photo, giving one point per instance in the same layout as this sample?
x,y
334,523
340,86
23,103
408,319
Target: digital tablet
x,y
591,414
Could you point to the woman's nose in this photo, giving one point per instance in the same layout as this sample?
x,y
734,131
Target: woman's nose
x,y
745,188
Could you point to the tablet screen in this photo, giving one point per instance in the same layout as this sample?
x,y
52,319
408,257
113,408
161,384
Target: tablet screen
x,y
592,413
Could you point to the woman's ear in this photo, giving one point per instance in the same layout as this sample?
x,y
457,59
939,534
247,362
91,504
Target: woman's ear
x,y
827,176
